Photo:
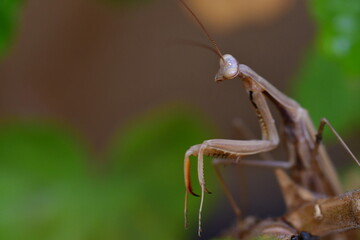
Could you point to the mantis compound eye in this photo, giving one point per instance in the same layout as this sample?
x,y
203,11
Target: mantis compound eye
x,y
231,67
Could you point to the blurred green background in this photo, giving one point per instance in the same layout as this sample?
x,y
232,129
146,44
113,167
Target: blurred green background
x,y
99,102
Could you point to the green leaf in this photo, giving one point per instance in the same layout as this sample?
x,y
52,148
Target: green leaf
x,y
41,168
36,149
338,37
49,192
9,13
329,80
152,149
324,90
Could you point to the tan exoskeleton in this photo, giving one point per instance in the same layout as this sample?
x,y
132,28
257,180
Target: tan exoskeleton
x,y
308,163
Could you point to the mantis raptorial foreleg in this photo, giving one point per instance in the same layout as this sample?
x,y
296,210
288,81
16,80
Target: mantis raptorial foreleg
x,y
245,133
235,148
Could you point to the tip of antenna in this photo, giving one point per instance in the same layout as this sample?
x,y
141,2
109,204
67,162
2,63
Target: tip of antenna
x,y
216,48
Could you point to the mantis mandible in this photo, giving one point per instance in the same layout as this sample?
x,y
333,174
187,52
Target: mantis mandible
x,y
308,163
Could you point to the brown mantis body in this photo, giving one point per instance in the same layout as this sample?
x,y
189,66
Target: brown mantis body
x,y
312,176
318,216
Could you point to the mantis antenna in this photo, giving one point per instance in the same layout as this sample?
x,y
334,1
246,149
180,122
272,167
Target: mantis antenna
x,y
217,50
196,44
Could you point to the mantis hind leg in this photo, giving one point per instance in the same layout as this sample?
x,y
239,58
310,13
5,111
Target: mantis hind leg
x,y
319,136
319,153
230,197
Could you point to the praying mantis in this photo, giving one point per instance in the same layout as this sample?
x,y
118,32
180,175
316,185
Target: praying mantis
x,y
311,187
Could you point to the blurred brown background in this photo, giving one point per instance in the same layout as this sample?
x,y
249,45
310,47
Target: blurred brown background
x,y
95,66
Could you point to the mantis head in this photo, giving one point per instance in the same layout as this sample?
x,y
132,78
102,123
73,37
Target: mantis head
x,y
229,68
